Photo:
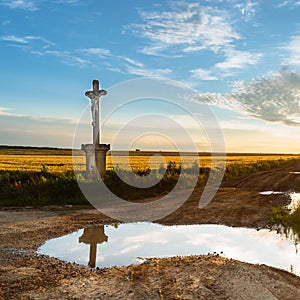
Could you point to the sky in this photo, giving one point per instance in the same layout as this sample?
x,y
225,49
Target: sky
x,y
241,58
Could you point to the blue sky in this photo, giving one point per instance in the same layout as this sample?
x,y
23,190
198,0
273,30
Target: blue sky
x,y
241,57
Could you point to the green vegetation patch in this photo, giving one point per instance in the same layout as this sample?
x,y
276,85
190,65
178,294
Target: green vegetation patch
x,y
22,188
282,216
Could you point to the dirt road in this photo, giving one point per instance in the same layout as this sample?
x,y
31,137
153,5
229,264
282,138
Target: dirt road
x,y
24,275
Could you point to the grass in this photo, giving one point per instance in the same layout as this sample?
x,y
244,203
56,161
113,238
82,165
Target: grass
x,y
31,188
235,170
39,188
287,220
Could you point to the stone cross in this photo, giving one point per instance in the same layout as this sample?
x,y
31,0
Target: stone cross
x,y
95,95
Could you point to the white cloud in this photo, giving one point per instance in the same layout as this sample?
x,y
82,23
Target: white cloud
x,y
293,49
82,57
236,59
100,52
67,1
32,5
66,56
148,72
117,70
26,40
189,25
289,3
274,98
106,55
132,61
194,48
247,9
283,4
19,4
154,50
13,38
203,74
5,111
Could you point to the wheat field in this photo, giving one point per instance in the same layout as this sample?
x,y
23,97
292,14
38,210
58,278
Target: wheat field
x,y
57,163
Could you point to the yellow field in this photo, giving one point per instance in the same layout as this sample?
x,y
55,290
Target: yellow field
x,y
61,163
54,163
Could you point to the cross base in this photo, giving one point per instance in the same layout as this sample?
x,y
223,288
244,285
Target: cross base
x,y
95,159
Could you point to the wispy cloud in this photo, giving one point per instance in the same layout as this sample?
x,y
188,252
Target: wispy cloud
x,y
125,63
33,5
28,42
148,72
99,52
40,46
236,59
247,9
293,49
67,1
290,3
67,57
81,58
132,61
186,28
155,50
187,25
283,4
274,98
5,111
203,74
25,39
19,4
13,38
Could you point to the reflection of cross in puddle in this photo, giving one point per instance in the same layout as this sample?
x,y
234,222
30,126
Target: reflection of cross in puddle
x,y
93,236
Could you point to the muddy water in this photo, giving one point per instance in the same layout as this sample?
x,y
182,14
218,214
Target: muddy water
x,y
124,244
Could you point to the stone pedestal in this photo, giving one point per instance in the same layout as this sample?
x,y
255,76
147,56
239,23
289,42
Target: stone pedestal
x,y
100,154
95,159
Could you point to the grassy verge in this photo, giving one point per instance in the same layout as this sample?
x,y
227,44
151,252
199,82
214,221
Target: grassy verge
x,y
236,170
22,188
282,216
288,220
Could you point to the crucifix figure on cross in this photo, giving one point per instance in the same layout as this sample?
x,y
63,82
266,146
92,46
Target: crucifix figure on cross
x,y
94,95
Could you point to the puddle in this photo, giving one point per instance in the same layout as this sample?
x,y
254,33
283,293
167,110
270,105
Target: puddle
x,y
271,193
295,201
295,173
122,245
